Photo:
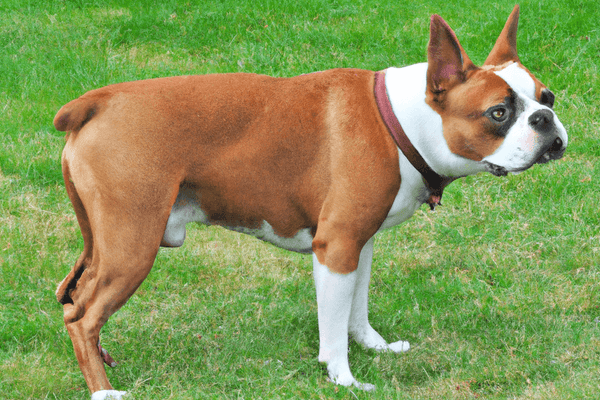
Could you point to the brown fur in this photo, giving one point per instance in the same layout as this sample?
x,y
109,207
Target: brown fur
x,y
460,91
505,50
304,152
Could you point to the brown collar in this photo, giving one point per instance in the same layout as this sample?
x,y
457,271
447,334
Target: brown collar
x,y
434,182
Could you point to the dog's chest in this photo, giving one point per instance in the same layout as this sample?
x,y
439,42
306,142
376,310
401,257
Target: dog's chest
x,y
411,195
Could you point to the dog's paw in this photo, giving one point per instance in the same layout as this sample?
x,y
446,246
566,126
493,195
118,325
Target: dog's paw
x,y
399,346
108,395
370,339
367,387
339,374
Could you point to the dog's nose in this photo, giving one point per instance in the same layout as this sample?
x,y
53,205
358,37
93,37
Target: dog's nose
x,y
542,121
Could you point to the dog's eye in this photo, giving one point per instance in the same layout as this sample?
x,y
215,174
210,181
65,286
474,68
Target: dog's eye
x,y
499,114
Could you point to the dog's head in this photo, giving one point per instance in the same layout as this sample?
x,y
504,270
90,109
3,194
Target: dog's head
x,y
500,114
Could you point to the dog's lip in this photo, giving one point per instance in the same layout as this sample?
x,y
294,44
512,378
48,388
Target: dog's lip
x,y
549,156
545,157
495,169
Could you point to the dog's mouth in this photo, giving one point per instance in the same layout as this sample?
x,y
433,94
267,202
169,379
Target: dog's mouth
x,y
555,152
550,155
496,170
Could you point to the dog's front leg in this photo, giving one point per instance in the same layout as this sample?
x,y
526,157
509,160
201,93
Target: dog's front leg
x,y
359,326
334,298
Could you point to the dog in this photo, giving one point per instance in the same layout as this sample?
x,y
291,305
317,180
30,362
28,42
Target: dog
x,y
315,164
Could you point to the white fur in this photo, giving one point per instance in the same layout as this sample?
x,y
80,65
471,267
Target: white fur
x,y
411,195
522,145
358,325
343,308
334,299
517,151
108,395
406,89
187,210
518,79
184,210
301,242
343,298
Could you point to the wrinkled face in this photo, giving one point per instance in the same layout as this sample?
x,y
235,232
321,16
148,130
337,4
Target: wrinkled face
x,y
502,116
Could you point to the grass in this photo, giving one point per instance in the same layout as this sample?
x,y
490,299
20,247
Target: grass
x,y
497,291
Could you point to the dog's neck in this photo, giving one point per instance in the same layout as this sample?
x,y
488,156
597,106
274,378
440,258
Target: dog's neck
x,y
434,182
406,88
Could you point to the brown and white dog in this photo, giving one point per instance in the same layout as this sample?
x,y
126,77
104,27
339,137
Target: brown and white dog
x,y
315,164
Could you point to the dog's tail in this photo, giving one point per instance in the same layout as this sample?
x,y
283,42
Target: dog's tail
x,y
75,114
63,292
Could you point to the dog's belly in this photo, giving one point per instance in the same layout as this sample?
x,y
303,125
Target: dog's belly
x,y
187,209
300,243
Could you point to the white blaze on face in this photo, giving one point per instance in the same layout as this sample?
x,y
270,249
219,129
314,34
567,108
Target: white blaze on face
x,y
519,80
522,145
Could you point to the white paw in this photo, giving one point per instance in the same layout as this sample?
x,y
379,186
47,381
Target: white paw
x,y
367,387
339,373
108,395
369,338
399,346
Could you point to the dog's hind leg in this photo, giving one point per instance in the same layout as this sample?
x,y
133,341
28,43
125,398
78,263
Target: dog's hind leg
x,y
122,258
122,237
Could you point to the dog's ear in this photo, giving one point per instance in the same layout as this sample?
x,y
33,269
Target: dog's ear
x,y
505,49
448,62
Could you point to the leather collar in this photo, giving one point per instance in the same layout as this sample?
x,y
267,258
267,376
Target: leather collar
x,y
434,182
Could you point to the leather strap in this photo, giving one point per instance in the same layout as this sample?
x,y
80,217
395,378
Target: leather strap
x,y
434,182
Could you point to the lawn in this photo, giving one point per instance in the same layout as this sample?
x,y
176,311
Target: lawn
x,y
498,291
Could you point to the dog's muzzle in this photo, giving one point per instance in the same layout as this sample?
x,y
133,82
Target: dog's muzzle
x,y
542,121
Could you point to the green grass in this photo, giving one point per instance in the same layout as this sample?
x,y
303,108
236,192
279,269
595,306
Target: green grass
x,y
497,291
